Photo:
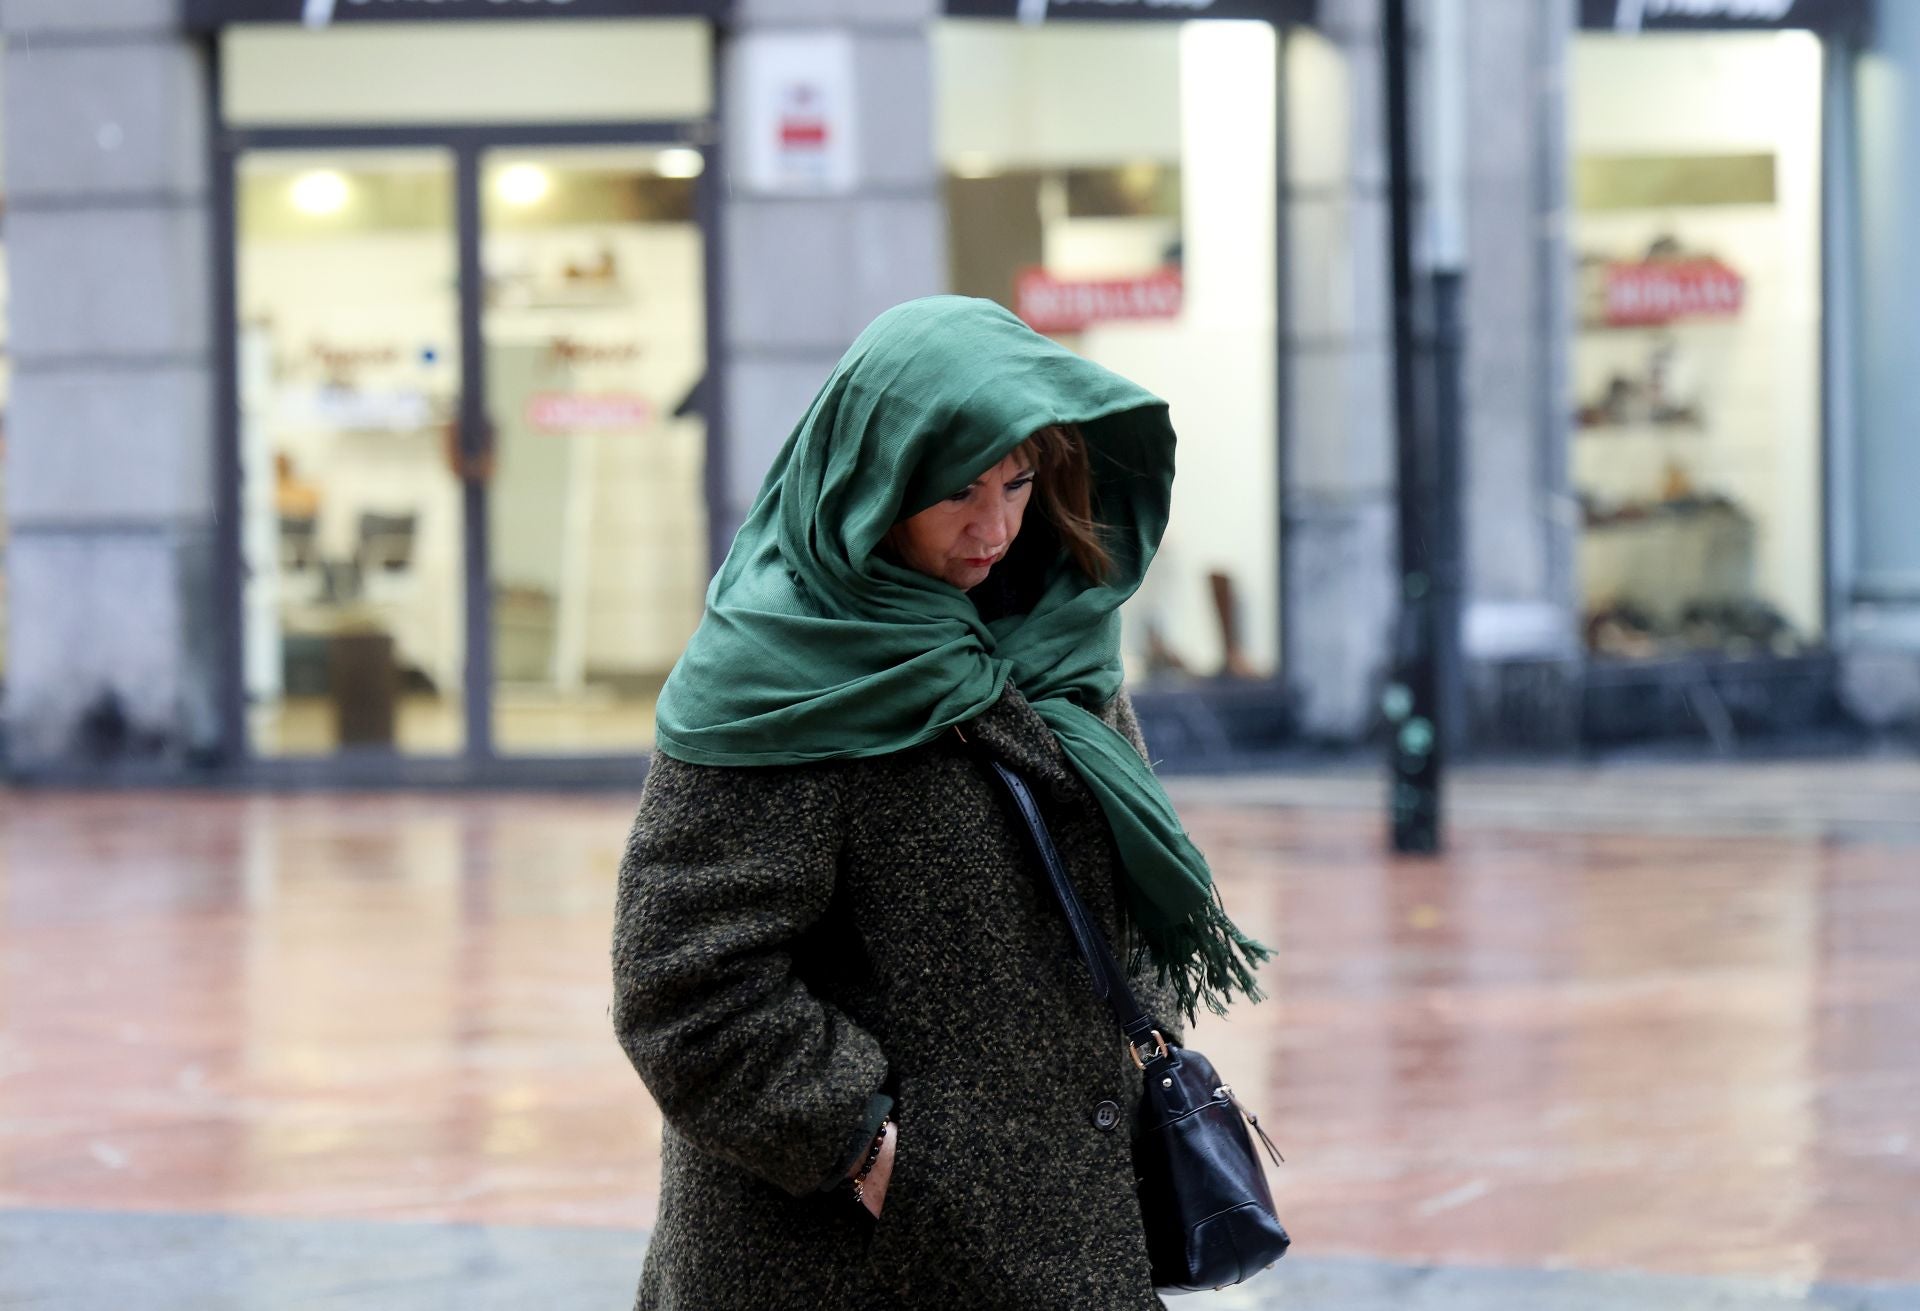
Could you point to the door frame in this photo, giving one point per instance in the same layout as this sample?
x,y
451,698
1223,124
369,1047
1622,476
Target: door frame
x,y
479,760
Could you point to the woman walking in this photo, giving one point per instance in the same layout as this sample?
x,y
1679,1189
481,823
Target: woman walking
x,y
885,1076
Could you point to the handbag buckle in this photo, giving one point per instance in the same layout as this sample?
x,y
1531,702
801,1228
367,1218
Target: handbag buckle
x,y
1133,1050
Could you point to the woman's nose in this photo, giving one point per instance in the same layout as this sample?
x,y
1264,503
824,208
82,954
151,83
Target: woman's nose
x,y
991,528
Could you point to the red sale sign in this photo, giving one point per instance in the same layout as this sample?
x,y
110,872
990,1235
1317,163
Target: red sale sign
x,y
1051,304
564,412
1660,291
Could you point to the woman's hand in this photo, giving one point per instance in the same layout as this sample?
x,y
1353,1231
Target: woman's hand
x,y
873,1193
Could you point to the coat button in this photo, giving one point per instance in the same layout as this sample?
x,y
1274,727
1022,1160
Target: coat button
x,y
1106,1116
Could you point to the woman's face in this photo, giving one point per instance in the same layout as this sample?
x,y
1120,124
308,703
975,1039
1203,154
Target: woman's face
x,y
960,539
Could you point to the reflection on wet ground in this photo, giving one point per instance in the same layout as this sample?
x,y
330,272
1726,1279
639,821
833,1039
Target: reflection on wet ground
x,y
86,1260
1682,1054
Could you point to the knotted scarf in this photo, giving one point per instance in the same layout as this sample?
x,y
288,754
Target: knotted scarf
x,y
814,647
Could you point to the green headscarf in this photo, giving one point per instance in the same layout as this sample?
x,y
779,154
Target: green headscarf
x,y
813,647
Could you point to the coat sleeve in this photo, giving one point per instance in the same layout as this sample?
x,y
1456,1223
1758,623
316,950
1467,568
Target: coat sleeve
x,y
725,869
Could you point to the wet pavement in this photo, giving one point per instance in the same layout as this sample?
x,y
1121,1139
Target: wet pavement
x,y
223,1263
305,1050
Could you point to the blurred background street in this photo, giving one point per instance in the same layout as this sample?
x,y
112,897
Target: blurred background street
x,y
354,1050
382,382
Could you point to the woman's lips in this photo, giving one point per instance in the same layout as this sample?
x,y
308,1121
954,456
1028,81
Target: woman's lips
x,y
981,561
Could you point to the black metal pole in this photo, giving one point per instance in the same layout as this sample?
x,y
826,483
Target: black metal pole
x,y
1447,302
1412,701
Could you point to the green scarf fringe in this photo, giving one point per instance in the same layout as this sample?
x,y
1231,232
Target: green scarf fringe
x,y
1205,959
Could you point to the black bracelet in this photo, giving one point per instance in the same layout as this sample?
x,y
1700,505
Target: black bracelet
x,y
859,1179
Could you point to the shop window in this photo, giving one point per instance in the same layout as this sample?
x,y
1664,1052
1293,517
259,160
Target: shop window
x,y
1696,366
354,533
388,73
1114,185
349,379
595,329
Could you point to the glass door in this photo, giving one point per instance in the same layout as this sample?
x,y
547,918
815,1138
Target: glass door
x,y
594,324
348,369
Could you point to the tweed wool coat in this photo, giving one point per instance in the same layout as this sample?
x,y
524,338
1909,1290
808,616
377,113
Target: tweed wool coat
x,y
791,941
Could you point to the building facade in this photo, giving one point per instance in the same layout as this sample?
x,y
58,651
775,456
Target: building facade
x,y
385,378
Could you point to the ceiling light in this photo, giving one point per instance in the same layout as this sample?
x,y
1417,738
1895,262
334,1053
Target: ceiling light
x,y
524,184
679,162
320,192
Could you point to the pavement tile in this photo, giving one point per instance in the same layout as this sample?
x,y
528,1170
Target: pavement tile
x,y
1565,1045
80,1261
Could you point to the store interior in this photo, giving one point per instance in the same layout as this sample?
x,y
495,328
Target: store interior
x,y
590,545
1696,363
357,570
1115,184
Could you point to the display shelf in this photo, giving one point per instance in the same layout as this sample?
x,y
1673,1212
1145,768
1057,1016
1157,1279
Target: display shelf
x,y
1600,329
559,296
1648,429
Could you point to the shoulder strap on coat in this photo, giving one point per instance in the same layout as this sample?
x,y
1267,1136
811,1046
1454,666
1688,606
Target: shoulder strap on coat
x,y
1109,979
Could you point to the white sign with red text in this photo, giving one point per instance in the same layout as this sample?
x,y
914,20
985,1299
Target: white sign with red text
x,y
1660,291
797,88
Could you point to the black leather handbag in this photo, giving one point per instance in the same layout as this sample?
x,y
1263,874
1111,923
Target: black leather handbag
x,y
1204,1199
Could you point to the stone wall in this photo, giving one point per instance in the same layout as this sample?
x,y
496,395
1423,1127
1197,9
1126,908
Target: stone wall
x,y
110,483
803,275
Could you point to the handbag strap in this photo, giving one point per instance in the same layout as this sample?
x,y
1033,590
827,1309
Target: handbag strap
x,y
1109,979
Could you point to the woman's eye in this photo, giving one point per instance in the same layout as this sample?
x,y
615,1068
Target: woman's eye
x,y
960,496
1020,486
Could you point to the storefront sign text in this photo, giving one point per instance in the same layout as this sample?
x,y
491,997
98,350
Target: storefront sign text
x,y
209,15
1051,304
1037,11
1710,15
1660,291
1133,4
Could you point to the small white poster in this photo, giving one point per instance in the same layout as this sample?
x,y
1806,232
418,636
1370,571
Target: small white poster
x,y
798,124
